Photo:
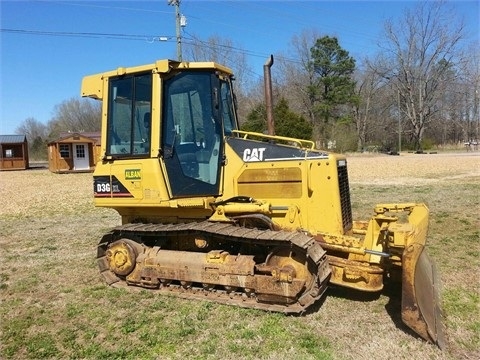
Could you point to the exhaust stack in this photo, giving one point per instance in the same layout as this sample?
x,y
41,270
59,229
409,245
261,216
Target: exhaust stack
x,y
268,95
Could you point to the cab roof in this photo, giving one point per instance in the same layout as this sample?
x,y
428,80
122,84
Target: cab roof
x,y
92,84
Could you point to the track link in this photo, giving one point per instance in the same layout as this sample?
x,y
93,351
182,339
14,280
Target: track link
x,y
226,232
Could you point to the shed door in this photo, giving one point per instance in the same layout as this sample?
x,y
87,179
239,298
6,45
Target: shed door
x,y
80,157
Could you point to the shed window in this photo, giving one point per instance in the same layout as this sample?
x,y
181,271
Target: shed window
x,y
64,150
8,153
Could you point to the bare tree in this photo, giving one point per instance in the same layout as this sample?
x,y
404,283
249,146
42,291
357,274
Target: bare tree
x,y
36,133
32,128
420,50
470,80
296,73
368,87
76,115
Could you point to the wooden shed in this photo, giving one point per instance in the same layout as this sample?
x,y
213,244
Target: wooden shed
x,y
13,152
74,152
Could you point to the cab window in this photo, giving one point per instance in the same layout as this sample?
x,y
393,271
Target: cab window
x,y
129,107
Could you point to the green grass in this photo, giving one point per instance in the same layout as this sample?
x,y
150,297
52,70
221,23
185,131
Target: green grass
x,y
146,331
464,304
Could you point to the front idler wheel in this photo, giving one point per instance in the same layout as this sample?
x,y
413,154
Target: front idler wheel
x,y
121,257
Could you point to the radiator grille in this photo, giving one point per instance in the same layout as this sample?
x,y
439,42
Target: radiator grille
x,y
345,197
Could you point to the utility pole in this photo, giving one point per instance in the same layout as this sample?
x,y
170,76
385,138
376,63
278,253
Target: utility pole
x,y
176,3
399,123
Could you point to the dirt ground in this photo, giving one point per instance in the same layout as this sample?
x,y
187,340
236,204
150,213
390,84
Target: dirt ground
x,y
409,168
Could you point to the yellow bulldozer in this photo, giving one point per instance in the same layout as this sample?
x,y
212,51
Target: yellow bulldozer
x,y
210,212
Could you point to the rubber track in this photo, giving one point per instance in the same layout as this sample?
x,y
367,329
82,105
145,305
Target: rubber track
x,y
231,233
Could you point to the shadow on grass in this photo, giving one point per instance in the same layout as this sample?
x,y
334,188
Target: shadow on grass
x,y
393,307
351,294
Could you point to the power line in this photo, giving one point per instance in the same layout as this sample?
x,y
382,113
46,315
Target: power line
x,y
142,37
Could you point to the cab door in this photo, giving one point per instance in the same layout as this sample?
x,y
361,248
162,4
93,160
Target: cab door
x,y
192,134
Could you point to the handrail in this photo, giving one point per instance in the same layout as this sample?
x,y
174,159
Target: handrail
x,y
302,143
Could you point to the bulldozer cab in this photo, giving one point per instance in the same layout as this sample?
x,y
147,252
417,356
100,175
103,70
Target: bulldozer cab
x,y
183,124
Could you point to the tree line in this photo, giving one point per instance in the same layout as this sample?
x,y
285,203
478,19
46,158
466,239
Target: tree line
x,y
421,89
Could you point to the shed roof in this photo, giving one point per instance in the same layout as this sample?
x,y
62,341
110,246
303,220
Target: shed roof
x,y
91,134
12,139
94,136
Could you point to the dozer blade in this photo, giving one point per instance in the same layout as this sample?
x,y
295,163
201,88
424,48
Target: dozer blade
x,y
421,307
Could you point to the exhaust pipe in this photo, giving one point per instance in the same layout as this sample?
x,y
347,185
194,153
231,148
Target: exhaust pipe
x,y
268,96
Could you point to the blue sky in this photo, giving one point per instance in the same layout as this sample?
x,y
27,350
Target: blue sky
x,y
40,68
